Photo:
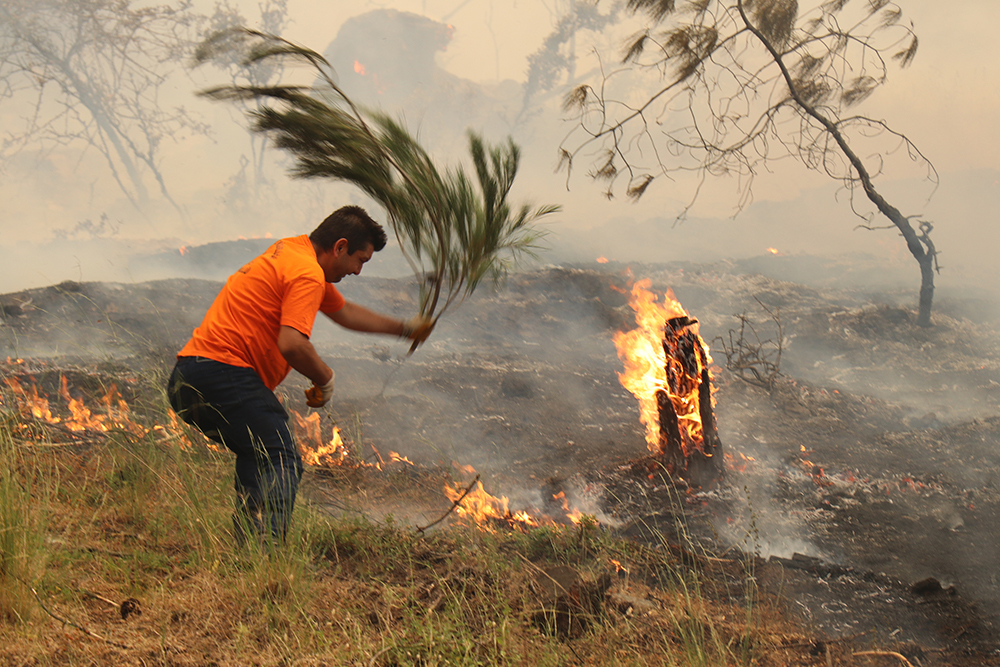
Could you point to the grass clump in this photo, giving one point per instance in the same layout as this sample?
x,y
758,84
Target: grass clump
x,y
21,529
146,518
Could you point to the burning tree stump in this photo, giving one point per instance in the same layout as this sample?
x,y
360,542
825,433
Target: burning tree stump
x,y
694,451
667,369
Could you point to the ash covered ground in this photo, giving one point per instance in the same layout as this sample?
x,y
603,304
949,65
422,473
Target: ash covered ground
x,y
864,481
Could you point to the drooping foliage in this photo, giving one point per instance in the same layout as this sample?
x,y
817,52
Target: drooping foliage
x,y
455,230
741,83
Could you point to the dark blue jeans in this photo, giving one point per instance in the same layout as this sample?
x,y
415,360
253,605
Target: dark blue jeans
x,y
232,406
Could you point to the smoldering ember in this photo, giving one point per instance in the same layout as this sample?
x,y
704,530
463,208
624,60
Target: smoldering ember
x,y
849,455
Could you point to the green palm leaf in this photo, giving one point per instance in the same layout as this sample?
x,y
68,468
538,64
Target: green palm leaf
x,y
454,231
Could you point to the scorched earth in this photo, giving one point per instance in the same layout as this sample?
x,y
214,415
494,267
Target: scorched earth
x,y
863,475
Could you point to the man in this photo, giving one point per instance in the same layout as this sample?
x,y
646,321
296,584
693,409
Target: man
x,y
255,331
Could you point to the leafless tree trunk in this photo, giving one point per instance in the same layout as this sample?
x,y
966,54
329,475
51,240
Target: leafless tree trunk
x,y
92,72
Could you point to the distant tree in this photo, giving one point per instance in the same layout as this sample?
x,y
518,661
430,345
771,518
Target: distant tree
x,y
247,186
90,74
553,65
747,82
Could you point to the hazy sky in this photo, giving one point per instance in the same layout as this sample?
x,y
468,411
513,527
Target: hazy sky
x,y
948,99
947,102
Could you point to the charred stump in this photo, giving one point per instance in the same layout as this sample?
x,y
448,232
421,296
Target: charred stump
x,y
689,442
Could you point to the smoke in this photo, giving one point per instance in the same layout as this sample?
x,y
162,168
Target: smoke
x,y
509,375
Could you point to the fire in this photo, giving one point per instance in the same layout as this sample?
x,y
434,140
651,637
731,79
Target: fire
x,y
646,366
30,402
573,515
603,260
399,458
321,452
773,251
359,68
315,450
116,414
183,250
176,431
488,511
483,508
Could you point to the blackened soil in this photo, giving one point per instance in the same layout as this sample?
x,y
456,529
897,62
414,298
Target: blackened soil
x,y
861,485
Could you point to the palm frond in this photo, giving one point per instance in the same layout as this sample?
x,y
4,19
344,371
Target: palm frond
x,y
455,230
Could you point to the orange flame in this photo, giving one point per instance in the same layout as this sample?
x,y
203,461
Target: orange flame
x,y
116,411
315,451
646,364
573,515
175,431
30,402
488,511
773,251
602,260
399,458
321,452
482,508
359,68
618,566
183,250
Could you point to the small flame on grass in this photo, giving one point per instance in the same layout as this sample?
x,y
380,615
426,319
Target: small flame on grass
x,y
573,515
116,414
176,431
484,509
488,511
30,402
321,452
395,457
773,251
602,260
316,450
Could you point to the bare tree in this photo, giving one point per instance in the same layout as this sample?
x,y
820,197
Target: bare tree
x,y
248,185
745,82
90,72
553,65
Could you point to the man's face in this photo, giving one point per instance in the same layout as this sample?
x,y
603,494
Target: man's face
x,y
337,262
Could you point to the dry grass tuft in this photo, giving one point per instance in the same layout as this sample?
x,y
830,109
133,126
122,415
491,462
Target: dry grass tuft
x,y
140,519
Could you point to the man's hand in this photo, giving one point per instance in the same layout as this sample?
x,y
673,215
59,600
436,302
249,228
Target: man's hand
x,y
317,396
418,328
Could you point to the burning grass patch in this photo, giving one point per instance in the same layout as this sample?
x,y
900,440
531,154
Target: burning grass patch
x,y
116,548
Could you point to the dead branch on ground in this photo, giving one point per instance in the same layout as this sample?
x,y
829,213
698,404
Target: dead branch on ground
x,y
752,359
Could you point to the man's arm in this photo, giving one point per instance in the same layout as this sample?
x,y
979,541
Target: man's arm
x,y
358,318
302,356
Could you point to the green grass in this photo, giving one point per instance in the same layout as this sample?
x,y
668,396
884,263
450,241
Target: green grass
x,y
21,528
132,516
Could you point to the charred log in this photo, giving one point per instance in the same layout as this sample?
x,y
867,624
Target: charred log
x,y
687,453
671,448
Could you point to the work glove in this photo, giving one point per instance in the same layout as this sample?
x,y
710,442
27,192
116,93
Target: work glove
x,y
418,328
317,396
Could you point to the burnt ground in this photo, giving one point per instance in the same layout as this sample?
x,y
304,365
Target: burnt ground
x,y
863,483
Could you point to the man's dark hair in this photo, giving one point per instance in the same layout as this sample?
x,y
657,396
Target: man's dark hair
x,y
352,223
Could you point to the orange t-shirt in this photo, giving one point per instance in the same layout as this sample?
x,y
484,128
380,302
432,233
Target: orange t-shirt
x,y
283,287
